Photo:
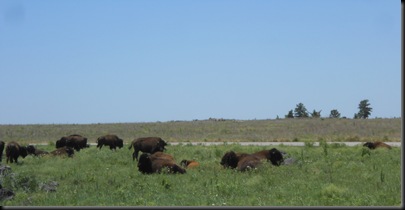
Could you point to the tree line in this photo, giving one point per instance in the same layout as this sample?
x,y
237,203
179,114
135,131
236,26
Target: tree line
x,y
300,111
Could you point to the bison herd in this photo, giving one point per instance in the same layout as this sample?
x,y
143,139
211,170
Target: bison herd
x,y
153,159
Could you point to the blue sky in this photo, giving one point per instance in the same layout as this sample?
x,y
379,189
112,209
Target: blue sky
x,y
105,61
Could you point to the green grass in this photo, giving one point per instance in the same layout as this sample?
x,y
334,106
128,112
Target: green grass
x,y
337,130
328,175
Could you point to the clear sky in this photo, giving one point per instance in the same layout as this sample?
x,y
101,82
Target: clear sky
x,y
114,61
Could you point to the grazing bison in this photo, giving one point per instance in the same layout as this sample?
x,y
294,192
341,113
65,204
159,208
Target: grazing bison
x,y
110,140
31,150
68,151
148,165
147,145
14,150
377,144
75,141
189,163
1,149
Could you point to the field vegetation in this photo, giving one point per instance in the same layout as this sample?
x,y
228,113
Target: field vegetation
x,y
325,175
328,175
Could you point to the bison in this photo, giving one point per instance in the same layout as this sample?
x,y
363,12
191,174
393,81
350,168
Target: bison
x,y
161,156
75,141
31,150
240,161
231,159
14,150
149,165
147,145
244,161
61,151
377,144
111,140
1,149
189,163
273,155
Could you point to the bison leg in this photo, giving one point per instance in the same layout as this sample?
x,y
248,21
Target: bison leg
x,y
135,155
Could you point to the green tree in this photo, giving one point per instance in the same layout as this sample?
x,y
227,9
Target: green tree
x,y
316,114
364,110
334,113
300,111
290,114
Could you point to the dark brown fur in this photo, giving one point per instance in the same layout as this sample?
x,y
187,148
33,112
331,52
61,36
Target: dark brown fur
x,y
2,144
75,141
14,150
148,165
147,145
110,140
377,144
31,150
63,151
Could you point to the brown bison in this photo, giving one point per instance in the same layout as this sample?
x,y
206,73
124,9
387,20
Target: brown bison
x,y
377,144
161,156
147,145
62,151
189,163
1,149
31,150
14,150
110,140
243,161
75,141
149,165
240,161
231,159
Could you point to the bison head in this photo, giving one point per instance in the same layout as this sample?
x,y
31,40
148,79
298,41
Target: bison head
x,y
23,151
145,164
61,142
276,157
369,145
30,149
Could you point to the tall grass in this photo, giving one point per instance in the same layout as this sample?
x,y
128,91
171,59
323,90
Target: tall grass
x,y
338,130
329,175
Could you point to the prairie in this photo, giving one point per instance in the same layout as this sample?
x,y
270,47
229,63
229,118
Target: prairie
x,y
328,175
325,175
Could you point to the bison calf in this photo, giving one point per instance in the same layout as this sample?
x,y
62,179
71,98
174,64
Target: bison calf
x,y
189,163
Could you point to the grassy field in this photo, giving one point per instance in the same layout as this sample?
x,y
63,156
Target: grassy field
x,y
328,175
287,130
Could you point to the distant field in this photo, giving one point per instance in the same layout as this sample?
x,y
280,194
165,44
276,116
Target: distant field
x,y
282,130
